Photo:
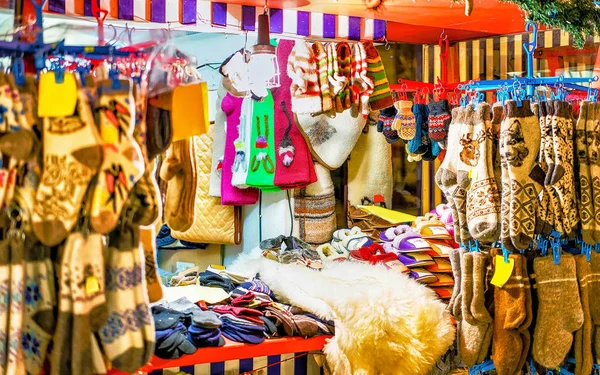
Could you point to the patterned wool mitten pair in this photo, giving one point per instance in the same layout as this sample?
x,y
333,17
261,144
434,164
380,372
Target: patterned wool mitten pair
x,y
439,120
475,322
404,122
384,125
556,321
521,182
512,317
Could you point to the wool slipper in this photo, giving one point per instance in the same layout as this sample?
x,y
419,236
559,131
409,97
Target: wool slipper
x,y
329,254
355,241
389,234
423,276
356,213
410,242
441,265
440,248
444,212
415,260
443,293
435,231
443,280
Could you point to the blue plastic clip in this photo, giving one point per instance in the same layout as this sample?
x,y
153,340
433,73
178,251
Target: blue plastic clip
x,y
113,74
543,246
82,70
587,250
505,253
59,73
18,69
476,246
597,248
556,251
482,368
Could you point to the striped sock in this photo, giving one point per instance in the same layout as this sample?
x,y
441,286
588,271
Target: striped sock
x,y
381,96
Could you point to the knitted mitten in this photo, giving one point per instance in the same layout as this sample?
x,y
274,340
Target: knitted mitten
x,y
439,120
556,321
584,359
562,179
520,155
420,143
384,125
483,200
123,163
404,123
381,96
586,204
72,156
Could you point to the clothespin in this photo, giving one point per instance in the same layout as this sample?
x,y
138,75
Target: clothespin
x,y
556,251
476,246
18,69
82,70
59,72
505,253
543,246
587,250
597,248
113,74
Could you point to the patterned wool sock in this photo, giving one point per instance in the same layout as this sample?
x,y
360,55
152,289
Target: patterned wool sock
x,y
4,301
550,157
89,300
21,142
40,300
483,200
593,134
545,213
381,96
15,360
148,243
122,337
497,117
144,316
439,120
562,179
384,125
509,315
559,313
62,351
520,153
586,203
123,163
362,85
404,122
594,303
72,156
584,359
478,308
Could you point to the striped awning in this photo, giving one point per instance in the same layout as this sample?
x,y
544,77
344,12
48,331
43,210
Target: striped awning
x,y
229,16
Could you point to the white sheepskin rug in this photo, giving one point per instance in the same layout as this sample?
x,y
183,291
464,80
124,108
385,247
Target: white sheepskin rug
x,y
385,322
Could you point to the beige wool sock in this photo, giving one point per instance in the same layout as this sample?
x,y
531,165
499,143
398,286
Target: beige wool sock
x,y
497,117
455,261
559,312
467,288
584,359
520,146
545,213
593,134
594,299
483,199
478,308
550,157
72,156
123,163
524,328
586,203
562,179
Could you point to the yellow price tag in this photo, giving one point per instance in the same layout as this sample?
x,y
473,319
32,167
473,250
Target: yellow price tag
x,y
92,285
57,99
502,271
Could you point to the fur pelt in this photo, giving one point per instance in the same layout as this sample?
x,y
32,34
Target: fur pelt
x,y
385,322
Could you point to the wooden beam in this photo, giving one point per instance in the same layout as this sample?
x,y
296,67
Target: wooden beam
x,y
547,53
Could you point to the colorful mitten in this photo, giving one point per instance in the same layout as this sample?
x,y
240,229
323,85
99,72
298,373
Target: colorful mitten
x,y
404,123
439,120
384,125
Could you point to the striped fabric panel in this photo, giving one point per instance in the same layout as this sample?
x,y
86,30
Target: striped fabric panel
x,y
284,364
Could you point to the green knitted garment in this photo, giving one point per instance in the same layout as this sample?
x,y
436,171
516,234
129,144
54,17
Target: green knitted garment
x,y
261,171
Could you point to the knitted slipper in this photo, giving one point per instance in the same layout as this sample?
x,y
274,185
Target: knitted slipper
x,y
389,234
441,265
440,248
423,276
328,253
410,242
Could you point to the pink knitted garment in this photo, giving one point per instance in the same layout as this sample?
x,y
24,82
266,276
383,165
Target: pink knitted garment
x,y
231,195
301,171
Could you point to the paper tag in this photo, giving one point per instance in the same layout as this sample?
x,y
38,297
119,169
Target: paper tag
x,y
396,265
438,230
502,271
419,243
92,285
57,99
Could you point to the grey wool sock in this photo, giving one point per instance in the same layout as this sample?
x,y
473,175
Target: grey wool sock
x,y
40,299
467,288
89,300
559,313
455,262
478,308
584,359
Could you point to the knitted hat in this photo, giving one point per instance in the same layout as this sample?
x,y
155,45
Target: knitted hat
x,y
321,58
362,84
257,285
381,96
208,278
331,139
302,69
204,337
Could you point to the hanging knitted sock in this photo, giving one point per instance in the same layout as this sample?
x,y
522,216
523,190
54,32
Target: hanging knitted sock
x,y
439,120
121,337
478,308
40,300
15,360
321,58
592,130
467,288
545,213
594,303
384,125
62,349
21,142
556,321
343,100
483,200
381,96
146,194
89,301
72,156
404,122
524,327
509,315
4,302
418,145
123,163
584,359
457,310
586,204
362,85
148,243
550,157
456,275
497,117
562,179
520,153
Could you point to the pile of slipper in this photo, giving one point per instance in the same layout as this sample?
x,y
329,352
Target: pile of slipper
x,y
368,223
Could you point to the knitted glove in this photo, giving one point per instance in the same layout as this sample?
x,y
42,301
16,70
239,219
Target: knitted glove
x,y
439,120
404,123
384,125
